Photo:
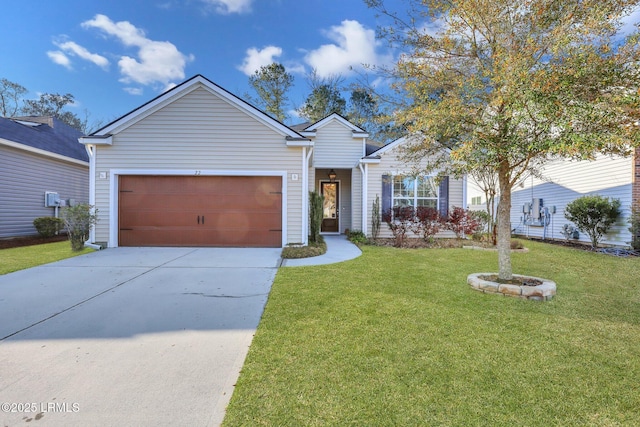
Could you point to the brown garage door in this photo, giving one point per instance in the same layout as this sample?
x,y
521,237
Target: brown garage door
x,y
200,211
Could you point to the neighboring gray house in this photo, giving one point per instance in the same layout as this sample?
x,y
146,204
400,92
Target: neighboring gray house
x,y
38,155
538,205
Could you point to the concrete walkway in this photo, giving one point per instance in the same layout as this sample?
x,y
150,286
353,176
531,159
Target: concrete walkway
x,y
339,249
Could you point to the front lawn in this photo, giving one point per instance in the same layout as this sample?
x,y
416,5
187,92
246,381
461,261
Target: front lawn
x,y
397,337
15,259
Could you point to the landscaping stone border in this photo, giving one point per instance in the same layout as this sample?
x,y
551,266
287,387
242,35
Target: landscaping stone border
x,y
543,292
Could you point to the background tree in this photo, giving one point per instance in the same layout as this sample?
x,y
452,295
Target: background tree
x,y
487,181
53,104
506,85
325,98
271,83
10,97
363,109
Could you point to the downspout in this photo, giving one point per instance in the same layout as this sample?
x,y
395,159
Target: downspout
x,y
364,171
306,156
91,152
465,205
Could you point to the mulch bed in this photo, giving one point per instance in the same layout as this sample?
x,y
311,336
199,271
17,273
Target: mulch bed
x,y
17,242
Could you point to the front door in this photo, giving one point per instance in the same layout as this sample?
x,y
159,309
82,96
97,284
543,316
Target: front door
x,y
330,208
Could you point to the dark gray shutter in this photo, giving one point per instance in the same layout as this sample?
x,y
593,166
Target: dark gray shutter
x,y
387,193
443,207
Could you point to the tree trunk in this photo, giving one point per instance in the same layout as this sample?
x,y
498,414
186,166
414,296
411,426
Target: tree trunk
x,y
504,228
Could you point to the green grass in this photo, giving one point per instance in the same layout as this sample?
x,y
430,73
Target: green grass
x,y
15,259
397,337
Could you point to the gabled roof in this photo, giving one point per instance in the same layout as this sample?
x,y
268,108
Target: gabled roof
x,y
390,146
181,90
43,133
357,131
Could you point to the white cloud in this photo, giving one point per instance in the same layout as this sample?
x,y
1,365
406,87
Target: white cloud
x,y
227,7
157,62
59,58
259,58
354,45
73,48
134,90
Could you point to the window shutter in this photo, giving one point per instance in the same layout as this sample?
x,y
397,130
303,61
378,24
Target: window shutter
x,y
387,192
443,207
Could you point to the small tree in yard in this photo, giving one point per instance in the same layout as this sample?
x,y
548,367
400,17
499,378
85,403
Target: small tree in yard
x,y
79,219
506,85
593,215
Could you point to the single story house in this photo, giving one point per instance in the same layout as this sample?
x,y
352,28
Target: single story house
x,y
198,166
38,156
538,204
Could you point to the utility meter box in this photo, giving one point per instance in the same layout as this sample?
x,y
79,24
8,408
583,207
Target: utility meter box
x,y
51,199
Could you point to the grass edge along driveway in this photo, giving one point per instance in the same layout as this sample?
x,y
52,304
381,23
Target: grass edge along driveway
x,y
15,259
397,337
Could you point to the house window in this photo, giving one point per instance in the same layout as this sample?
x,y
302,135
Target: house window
x,y
476,200
420,191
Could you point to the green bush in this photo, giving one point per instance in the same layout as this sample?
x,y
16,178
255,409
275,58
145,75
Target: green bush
x,y
311,250
79,219
593,215
375,218
357,236
48,226
315,215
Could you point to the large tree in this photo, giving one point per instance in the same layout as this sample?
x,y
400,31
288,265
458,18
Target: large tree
x,y
325,97
507,85
53,104
10,97
271,83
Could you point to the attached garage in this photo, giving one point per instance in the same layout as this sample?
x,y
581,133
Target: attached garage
x,y
243,211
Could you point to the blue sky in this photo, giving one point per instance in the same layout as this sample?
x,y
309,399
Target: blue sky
x,y
115,55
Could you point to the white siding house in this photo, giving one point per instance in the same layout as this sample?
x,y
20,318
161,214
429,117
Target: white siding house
x,y
566,181
198,166
562,182
384,167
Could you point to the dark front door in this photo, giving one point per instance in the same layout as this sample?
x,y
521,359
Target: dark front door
x,y
330,208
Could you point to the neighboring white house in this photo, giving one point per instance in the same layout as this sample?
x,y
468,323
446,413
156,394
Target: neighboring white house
x,y
198,166
538,205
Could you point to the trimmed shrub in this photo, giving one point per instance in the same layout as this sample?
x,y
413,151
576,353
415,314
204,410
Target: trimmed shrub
x,y
593,215
427,223
462,222
78,220
311,250
400,220
48,226
357,236
375,218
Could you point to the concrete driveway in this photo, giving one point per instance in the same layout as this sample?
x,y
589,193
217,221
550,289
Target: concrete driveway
x,y
130,336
